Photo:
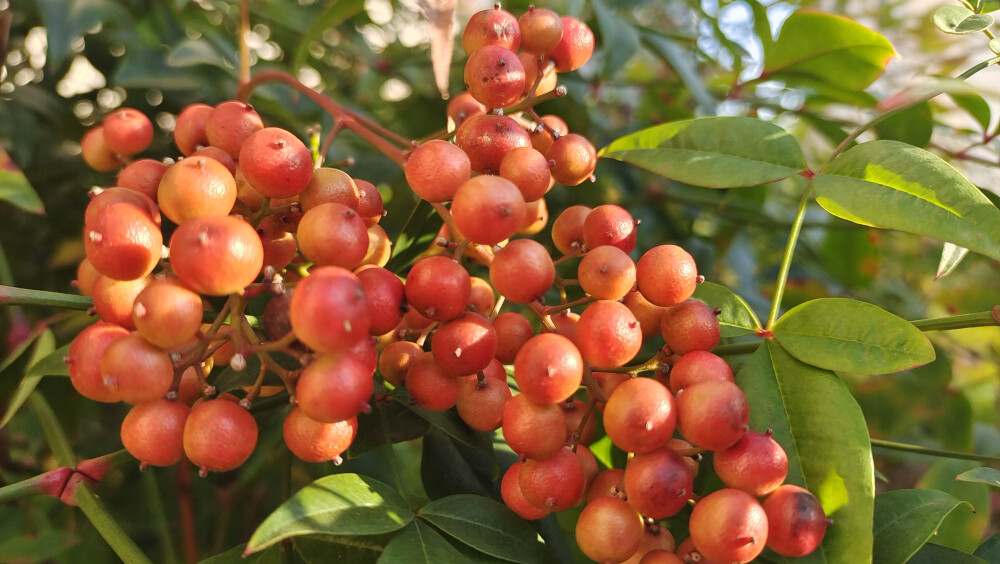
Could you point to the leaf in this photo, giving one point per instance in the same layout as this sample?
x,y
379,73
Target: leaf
x,y
994,45
339,504
447,421
485,525
419,543
419,231
893,185
336,13
961,530
959,20
619,39
982,475
821,428
191,52
404,425
976,106
906,519
951,256
828,48
439,14
320,549
932,553
712,152
984,6
851,336
15,188
736,318
53,364
850,256
65,20
235,556
913,125
448,468
990,549
42,348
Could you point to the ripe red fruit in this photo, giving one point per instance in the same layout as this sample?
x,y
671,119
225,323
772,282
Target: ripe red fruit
x,y
533,430
609,530
729,525
96,152
510,490
481,295
607,483
575,411
513,330
608,335
136,370
606,273
438,287
384,293
333,234
548,368
167,313
122,242
713,414
127,131
371,208
667,275
153,432
100,200
488,209
658,484
610,225
690,326
216,255
567,229
565,323
334,387
196,187
396,359
491,27
541,30
528,170
113,299
84,360
575,159
462,107
796,522
547,82
279,245
277,163
86,276
640,415
522,271
229,125
315,441
464,345
698,366
329,311
189,131
487,138
542,137
648,314
435,169
575,46
756,464
481,403
330,185
219,435
556,483
143,176
429,386
494,76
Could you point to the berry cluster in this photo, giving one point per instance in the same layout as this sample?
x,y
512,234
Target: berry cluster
x,y
249,213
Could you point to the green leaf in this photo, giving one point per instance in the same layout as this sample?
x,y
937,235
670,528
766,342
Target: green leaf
x,y
43,347
851,336
191,52
419,543
990,549
712,152
951,256
416,235
961,530
985,6
828,48
487,526
913,125
404,425
893,185
339,504
816,420
906,519
994,45
65,20
619,39
932,553
850,256
982,475
15,188
448,467
976,106
235,556
736,318
53,364
447,421
336,13
354,549
959,20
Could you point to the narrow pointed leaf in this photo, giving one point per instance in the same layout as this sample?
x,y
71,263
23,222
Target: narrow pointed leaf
x,y
959,20
736,318
712,152
339,504
932,553
906,519
976,106
447,421
820,426
989,550
320,549
486,526
982,475
893,185
419,544
828,48
619,39
235,556
15,188
43,347
851,336
951,256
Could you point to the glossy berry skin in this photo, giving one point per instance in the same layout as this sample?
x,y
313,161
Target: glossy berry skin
x,y
690,326
541,30
510,490
756,464
330,185
713,414
548,368
143,176
127,131
189,130
487,138
277,163
122,242
384,292
796,522
153,432
666,274
464,345
491,27
494,76
216,255
698,366
333,234
438,288
610,225
219,435
196,187
556,483
481,403
640,415
329,311
396,359
522,271
136,370
316,441
435,170
528,170
84,360
96,152
488,209
167,313
658,484
334,387
429,386
533,430
608,335
609,530
230,124
575,46
513,330
729,525
575,159
606,273
567,229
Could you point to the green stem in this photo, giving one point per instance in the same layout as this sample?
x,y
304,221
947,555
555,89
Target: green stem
x,y
978,67
97,513
10,295
982,319
786,260
18,490
917,449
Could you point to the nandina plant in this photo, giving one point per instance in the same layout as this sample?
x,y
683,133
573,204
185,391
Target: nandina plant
x,y
504,349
